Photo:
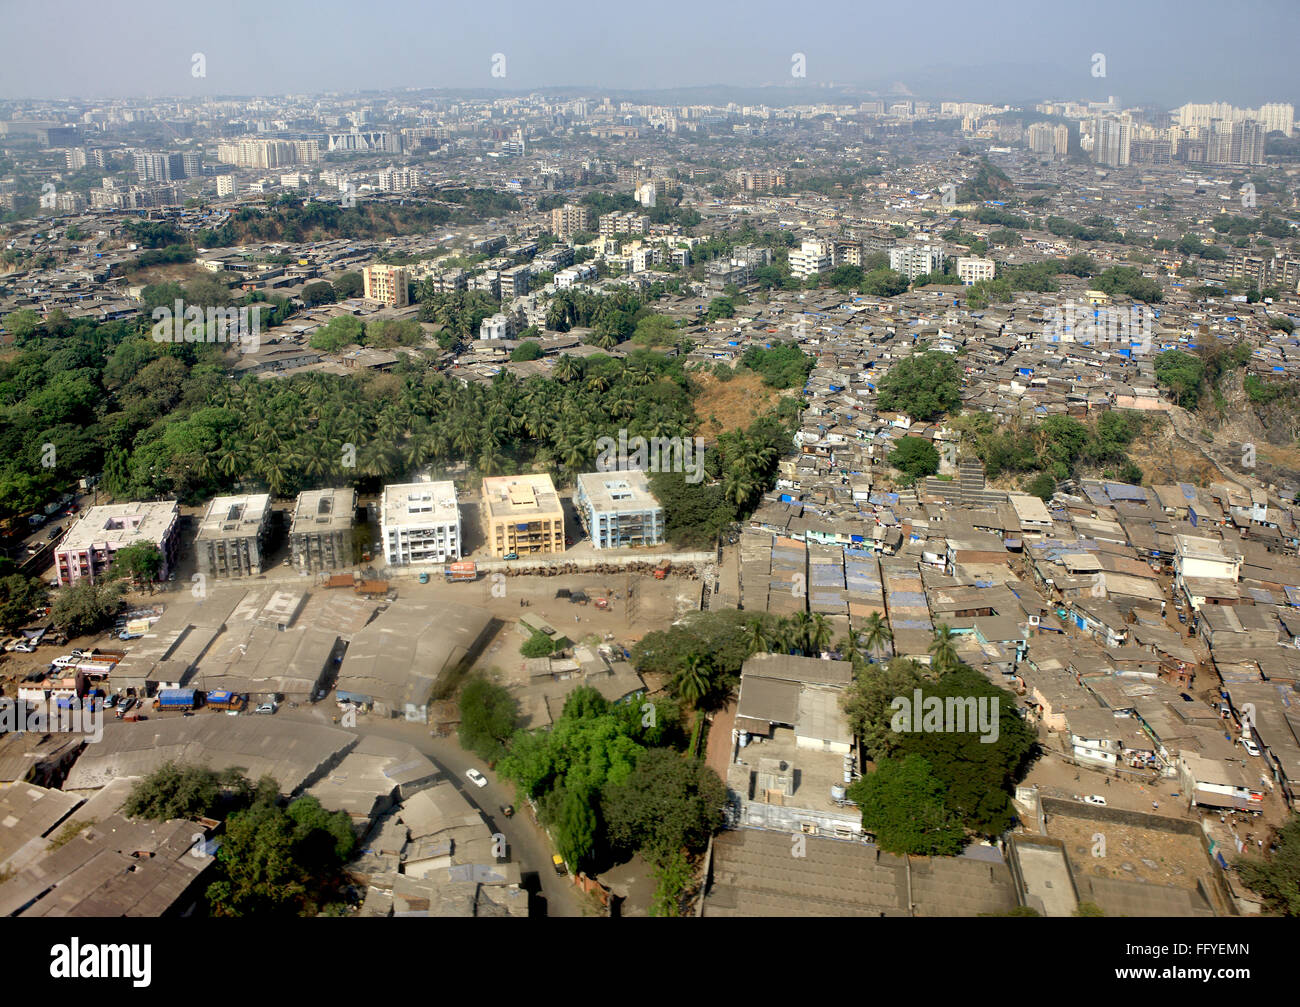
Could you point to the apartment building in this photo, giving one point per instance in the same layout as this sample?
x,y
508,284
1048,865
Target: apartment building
x,y
1112,137
617,509
812,259
87,550
233,534
570,219
226,185
612,224
1045,138
253,152
971,269
522,515
916,260
388,285
320,536
420,523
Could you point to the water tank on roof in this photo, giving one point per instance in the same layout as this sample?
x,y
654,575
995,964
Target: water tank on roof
x,y
838,793
744,738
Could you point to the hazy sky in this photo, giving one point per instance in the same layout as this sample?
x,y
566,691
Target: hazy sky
x,y
1165,51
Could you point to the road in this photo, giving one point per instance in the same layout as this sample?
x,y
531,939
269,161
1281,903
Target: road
x,y
528,844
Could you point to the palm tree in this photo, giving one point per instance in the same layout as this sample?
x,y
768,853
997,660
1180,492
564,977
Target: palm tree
x,y
801,632
876,635
849,649
692,680
943,651
757,637
566,369
819,632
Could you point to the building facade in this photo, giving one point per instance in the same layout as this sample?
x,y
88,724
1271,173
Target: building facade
x,y
320,537
233,534
420,523
87,550
617,509
522,515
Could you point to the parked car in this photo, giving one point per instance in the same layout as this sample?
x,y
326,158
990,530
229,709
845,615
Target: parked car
x,y
266,708
558,862
1251,748
1096,799
54,533
476,778
110,702
25,647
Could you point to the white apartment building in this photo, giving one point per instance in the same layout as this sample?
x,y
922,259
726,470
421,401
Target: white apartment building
x,y
971,269
812,259
420,523
916,260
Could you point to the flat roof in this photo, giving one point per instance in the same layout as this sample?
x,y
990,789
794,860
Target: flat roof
x,y
418,505
520,496
618,491
118,525
234,516
321,511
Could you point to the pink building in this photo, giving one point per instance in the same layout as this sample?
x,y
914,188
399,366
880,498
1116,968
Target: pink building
x,y
87,549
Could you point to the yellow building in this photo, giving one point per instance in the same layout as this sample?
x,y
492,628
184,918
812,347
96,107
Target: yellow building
x,y
522,515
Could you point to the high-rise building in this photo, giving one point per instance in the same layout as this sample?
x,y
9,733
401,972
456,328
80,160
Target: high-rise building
x,y
1112,139
158,167
570,219
225,185
387,285
1046,138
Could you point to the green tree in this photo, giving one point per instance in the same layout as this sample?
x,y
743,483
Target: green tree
x,y
141,562
86,607
902,805
19,597
914,456
923,386
537,645
488,717
669,804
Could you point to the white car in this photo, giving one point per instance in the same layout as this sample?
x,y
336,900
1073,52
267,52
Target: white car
x,y
476,778
1095,799
1251,748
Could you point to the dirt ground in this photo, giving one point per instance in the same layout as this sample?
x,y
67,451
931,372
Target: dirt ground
x,y
732,405
1131,853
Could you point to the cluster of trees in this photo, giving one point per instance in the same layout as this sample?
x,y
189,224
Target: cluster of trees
x,y
1057,448
348,330
609,780
783,365
275,858
933,787
914,457
923,386
740,467
292,219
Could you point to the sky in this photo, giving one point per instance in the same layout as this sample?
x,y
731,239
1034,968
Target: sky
x,y
1156,51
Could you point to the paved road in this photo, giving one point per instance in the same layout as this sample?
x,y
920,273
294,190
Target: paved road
x,y
528,844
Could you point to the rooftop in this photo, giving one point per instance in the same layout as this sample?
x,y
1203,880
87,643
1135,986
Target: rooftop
x,y
118,525
419,504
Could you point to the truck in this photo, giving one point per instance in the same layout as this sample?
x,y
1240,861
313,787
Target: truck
x,y
371,588
134,629
661,571
224,699
463,570
175,699
337,580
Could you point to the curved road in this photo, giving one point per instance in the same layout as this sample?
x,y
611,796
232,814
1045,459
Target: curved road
x,y
529,846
